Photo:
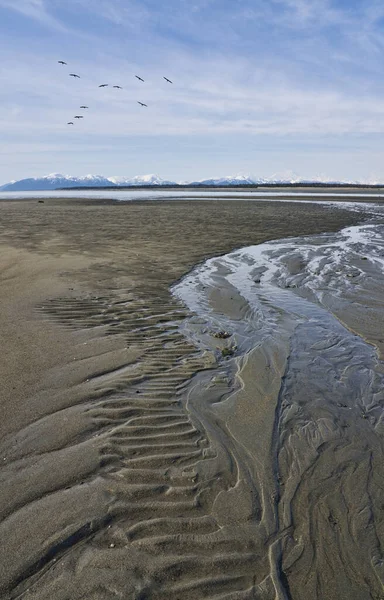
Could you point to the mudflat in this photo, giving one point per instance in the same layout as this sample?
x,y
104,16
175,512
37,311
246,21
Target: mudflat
x,y
123,473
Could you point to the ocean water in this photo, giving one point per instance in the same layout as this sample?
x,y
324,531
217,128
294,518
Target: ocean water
x,y
130,195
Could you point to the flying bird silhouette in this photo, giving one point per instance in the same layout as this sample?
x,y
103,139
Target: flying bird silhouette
x,y
166,79
139,78
104,85
70,123
61,62
118,87
142,104
78,117
74,75
84,106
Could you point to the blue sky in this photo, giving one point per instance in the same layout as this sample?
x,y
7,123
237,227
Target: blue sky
x,y
261,87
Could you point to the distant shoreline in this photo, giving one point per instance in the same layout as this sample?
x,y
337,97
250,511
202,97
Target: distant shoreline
x,y
227,187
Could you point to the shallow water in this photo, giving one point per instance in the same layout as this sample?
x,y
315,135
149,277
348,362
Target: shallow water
x,y
295,275
131,195
317,301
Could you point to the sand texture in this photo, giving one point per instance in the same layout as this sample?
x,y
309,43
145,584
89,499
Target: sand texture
x,y
135,464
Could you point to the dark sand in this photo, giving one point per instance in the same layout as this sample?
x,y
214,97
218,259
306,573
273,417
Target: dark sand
x,y
122,475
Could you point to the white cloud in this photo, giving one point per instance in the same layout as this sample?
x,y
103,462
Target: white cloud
x,y
211,98
33,9
120,12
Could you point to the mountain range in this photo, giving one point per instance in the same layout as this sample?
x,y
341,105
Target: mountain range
x,y
56,181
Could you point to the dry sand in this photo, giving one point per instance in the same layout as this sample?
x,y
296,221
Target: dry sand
x,y
122,474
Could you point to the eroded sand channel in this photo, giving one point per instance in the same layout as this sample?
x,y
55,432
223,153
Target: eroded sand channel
x,y
304,424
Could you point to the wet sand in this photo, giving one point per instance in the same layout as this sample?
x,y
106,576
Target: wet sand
x,y
136,465
308,326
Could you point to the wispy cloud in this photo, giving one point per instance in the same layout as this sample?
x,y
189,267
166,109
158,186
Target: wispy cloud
x,y
213,98
33,9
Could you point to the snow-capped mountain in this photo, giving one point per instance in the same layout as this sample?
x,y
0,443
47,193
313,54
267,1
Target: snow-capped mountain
x,y
231,180
293,178
141,180
54,181
287,177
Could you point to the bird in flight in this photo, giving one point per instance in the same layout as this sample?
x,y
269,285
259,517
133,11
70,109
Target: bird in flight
x,y
139,78
74,75
166,79
70,123
104,85
61,62
118,87
79,117
142,104
84,106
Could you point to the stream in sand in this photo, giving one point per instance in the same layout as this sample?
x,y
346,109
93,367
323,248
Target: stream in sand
x,y
302,416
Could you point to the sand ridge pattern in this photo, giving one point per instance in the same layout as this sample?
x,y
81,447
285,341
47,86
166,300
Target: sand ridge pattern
x,y
161,472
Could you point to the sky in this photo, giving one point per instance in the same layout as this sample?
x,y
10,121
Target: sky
x,y
266,88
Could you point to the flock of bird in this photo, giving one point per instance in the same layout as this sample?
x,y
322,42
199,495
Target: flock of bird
x,y
103,85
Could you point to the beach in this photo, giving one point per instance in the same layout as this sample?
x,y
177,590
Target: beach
x,y
144,453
